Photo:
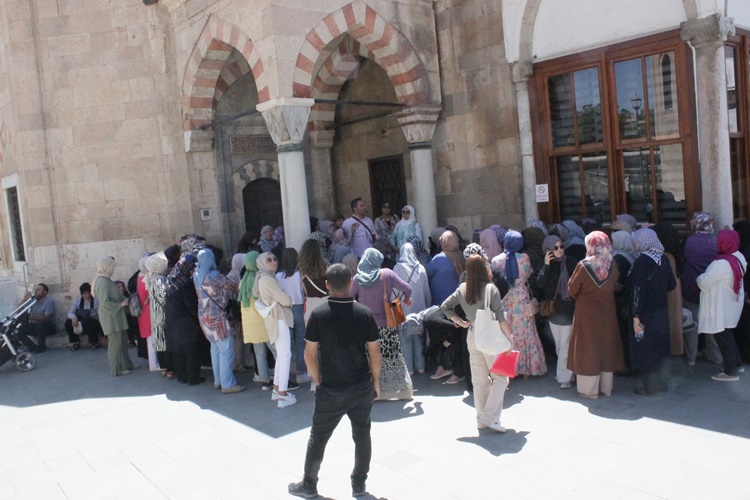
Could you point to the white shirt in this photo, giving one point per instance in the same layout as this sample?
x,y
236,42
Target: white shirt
x,y
292,286
360,240
720,307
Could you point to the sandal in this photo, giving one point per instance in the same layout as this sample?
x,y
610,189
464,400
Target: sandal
x,y
170,374
163,372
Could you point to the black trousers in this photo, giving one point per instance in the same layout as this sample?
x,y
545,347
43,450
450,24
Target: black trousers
x,y
330,406
91,327
38,331
729,351
440,329
187,364
166,360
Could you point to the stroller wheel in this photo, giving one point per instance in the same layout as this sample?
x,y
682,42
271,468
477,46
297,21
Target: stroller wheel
x,y
25,361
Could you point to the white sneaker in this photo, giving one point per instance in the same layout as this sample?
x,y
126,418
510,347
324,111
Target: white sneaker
x,y
275,395
285,401
496,427
303,377
723,377
741,369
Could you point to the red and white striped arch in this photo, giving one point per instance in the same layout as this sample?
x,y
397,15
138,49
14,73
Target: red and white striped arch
x,y
204,68
378,39
235,67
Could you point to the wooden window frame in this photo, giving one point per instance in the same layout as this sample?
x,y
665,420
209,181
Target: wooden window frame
x,y
604,59
741,42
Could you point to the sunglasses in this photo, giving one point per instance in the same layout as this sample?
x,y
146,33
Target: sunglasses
x,y
405,211
557,247
271,258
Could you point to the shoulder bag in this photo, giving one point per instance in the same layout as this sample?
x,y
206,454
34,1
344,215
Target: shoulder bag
x,y
231,311
394,313
134,305
488,336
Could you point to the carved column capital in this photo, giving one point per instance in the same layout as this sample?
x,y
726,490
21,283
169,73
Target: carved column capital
x,y
522,71
322,139
286,118
707,31
199,141
418,123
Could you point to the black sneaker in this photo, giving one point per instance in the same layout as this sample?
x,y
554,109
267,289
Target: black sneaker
x,y
359,489
267,386
292,386
300,490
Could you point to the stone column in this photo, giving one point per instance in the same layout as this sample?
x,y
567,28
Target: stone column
x,y
418,125
286,118
707,36
323,203
522,71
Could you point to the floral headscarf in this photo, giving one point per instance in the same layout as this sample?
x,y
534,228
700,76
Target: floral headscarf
x,y
474,249
182,273
702,222
192,243
368,270
647,243
599,253
422,255
278,236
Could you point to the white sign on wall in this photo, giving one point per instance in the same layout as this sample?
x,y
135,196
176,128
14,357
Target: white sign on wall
x,y
542,193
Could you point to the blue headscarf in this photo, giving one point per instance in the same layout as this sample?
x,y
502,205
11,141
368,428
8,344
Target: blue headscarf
x,y
512,242
368,270
206,264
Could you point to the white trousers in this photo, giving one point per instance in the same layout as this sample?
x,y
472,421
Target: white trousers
x,y
283,357
561,334
489,389
153,361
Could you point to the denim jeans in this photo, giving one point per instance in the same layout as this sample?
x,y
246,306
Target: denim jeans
x,y
222,358
413,351
330,406
298,338
261,358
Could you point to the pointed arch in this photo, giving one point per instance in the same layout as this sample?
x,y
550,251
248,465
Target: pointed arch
x,y
204,69
380,40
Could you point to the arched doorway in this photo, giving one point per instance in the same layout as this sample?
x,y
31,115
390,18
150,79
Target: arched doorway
x,y
262,201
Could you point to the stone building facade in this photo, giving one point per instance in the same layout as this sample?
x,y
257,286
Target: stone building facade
x,y
125,125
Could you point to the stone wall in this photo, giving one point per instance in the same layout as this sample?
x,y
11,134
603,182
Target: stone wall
x,y
478,165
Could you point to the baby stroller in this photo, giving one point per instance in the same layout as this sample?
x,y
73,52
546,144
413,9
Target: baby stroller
x,y
11,346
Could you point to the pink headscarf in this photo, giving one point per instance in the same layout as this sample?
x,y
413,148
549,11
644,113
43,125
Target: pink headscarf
x,y
488,240
599,253
728,242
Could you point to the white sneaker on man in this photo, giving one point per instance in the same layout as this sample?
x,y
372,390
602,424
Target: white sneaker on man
x,y
723,377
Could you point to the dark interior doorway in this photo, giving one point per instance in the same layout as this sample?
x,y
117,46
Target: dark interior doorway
x,y
262,200
387,183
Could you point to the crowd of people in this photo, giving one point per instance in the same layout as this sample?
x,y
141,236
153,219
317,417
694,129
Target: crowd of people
x,y
599,304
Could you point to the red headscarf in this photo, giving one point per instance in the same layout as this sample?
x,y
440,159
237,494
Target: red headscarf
x,y
728,242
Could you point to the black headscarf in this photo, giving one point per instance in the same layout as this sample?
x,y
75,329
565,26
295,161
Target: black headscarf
x,y
670,240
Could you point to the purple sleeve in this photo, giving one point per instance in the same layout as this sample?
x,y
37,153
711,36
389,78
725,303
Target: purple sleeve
x,y
395,282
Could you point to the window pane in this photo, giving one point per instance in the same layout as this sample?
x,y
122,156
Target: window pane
x,y
596,186
588,106
637,166
730,56
561,110
662,96
569,187
670,183
630,102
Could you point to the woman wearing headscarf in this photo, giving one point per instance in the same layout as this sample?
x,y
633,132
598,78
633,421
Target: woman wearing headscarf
x,y
266,239
414,274
253,327
670,240
242,354
279,238
572,237
182,328
699,252
721,301
367,288
112,317
500,232
445,268
278,324
533,239
156,284
144,320
650,279
384,227
742,332
541,225
214,291
595,348
423,256
629,220
489,243
351,262
623,255
405,228
339,248
434,241
516,269
552,282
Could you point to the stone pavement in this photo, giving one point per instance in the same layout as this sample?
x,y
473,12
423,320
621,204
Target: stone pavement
x,y
69,430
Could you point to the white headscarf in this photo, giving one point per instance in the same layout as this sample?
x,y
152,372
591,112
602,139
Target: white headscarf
x,y
622,244
238,263
263,270
105,268
155,264
407,257
403,225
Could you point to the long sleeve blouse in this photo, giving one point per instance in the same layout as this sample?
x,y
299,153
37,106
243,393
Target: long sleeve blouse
x,y
459,297
720,307
443,278
269,290
372,297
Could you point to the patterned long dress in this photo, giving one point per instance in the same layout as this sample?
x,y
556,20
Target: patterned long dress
x,y
157,299
525,338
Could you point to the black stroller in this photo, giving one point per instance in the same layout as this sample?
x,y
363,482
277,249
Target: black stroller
x,y
11,345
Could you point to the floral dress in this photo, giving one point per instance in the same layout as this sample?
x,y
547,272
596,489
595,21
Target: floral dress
x,y
522,325
384,230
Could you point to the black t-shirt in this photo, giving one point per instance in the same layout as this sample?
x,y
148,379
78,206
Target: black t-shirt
x,y
342,327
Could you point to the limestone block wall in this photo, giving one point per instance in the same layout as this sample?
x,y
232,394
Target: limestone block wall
x,y
478,165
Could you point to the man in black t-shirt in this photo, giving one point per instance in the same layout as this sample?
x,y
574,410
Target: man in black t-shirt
x,y
345,334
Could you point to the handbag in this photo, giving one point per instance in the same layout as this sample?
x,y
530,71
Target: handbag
x,y
263,309
505,364
134,305
394,313
488,336
547,308
232,311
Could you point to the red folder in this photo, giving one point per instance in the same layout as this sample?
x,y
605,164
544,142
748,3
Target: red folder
x,y
505,364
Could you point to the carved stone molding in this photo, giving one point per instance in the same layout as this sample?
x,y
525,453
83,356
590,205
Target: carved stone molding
x,y
199,141
286,118
707,31
418,123
522,71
